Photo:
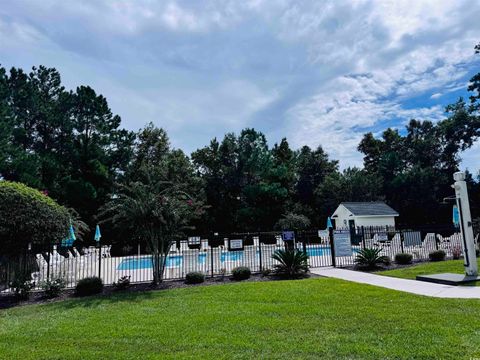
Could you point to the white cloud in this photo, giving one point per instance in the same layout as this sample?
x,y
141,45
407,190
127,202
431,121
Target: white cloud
x,y
319,72
415,55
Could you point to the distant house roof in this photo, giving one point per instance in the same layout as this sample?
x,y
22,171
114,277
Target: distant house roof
x,y
377,208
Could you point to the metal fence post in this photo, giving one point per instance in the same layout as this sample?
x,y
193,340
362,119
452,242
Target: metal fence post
x,y
260,254
363,236
401,241
211,261
332,247
99,260
49,261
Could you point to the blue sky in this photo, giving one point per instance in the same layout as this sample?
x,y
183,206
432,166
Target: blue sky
x,y
317,72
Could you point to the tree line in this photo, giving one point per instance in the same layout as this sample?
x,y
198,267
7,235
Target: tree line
x,y
69,144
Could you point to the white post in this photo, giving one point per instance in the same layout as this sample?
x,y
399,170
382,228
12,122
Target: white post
x,y
466,228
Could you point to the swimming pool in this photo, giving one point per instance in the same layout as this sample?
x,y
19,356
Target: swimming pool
x,y
145,262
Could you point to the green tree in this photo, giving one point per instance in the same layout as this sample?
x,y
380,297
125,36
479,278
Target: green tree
x,y
28,216
312,168
291,221
154,211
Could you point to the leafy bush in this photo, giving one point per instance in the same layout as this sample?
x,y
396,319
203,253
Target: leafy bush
x,y
27,215
292,263
194,277
456,252
438,255
53,287
122,283
223,272
477,251
241,273
403,258
21,287
89,286
370,259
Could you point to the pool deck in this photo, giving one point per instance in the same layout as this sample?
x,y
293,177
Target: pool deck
x,y
405,285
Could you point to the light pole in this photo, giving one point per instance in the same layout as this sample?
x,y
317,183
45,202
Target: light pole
x,y
466,227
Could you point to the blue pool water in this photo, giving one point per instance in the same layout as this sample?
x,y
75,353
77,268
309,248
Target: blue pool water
x,y
176,260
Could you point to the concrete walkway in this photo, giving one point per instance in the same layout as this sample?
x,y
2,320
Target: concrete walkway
x,y
405,285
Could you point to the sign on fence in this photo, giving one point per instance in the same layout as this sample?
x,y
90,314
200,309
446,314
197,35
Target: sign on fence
x,y
381,237
235,244
288,236
193,240
342,242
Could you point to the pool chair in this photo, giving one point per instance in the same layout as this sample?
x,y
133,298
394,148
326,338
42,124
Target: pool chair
x,y
173,248
56,257
77,258
76,253
105,251
41,262
430,242
183,246
279,240
412,242
204,244
396,242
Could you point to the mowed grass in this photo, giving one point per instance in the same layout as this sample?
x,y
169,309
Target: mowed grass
x,y
304,319
411,272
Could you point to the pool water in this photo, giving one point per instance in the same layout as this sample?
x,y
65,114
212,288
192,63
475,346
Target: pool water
x,y
177,260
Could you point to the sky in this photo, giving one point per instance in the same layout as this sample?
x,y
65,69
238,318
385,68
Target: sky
x,y
315,72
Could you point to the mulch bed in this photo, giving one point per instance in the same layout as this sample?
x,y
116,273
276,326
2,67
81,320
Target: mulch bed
x,y
38,297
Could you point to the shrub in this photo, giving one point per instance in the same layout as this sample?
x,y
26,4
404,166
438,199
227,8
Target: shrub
x,y
241,273
89,286
438,255
223,272
266,272
194,277
53,287
387,261
456,252
122,283
477,251
292,263
21,287
370,259
27,215
403,258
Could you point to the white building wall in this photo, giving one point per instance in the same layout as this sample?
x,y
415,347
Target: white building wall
x,y
343,215
375,221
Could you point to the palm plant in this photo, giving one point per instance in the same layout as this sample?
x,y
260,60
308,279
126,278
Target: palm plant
x,y
292,262
370,259
156,212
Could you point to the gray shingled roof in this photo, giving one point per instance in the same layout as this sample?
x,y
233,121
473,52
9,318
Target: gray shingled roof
x,y
369,208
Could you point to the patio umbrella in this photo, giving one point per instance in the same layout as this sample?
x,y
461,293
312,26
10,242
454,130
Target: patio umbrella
x,y
97,234
329,223
72,234
70,239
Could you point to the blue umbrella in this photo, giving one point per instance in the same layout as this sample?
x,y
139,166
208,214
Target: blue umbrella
x,y
71,238
72,234
97,234
329,223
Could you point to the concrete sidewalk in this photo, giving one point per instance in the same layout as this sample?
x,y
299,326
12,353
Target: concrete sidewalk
x,y
405,285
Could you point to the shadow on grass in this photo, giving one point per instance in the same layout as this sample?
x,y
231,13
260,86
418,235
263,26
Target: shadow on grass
x,y
106,298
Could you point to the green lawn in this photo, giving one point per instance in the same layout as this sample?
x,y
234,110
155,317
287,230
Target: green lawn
x,y
411,272
304,319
